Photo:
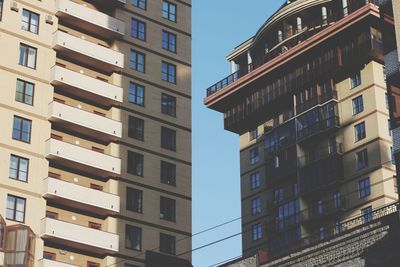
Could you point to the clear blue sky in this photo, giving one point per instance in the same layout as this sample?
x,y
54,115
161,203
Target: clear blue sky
x,y
218,26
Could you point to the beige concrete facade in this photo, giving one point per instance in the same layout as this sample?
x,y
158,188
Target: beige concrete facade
x,y
78,176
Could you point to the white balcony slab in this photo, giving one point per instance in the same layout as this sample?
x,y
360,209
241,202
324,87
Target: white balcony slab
x,y
89,19
82,159
50,263
80,237
84,122
86,87
80,197
86,52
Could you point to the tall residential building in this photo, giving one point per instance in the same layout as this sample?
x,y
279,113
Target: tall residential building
x,y
307,96
95,110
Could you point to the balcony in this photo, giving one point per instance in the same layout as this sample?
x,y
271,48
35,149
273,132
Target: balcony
x,y
88,53
83,159
86,87
84,122
90,20
312,102
79,237
325,211
281,166
319,127
80,197
315,175
392,65
51,263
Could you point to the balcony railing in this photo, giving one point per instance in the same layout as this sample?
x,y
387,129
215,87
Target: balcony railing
x,y
318,127
312,29
79,237
325,210
312,102
80,197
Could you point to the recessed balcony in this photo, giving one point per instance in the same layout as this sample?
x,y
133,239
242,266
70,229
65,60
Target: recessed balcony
x,y
86,87
79,237
83,159
51,263
84,122
80,197
324,211
89,19
88,53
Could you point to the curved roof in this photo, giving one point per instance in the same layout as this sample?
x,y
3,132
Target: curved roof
x,y
286,10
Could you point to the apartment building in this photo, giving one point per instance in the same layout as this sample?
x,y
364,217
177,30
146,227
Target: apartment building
x,y
307,97
95,152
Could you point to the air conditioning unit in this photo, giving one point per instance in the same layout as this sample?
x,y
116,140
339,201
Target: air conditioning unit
x,y
49,19
14,6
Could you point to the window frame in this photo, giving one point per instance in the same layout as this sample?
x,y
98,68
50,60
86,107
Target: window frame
x,y
163,176
135,128
168,107
257,231
29,22
168,11
139,239
357,104
133,94
134,64
167,74
18,170
168,45
256,207
168,138
23,93
15,208
22,120
137,34
132,158
355,79
1,9
164,239
254,156
255,180
134,207
364,187
363,134
138,4
167,209
25,58
362,154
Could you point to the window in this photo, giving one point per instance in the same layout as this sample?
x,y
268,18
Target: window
x,y
255,180
136,94
320,207
296,189
392,158
336,200
22,129
358,105
338,226
139,3
256,206
94,225
136,128
168,173
137,61
134,200
167,244
364,187
168,72
278,195
321,233
169,11
138,29
366,214
362,159
133,237
20,246
92,264
168,105
257,231
1,9
355,79
135,163
51,215
27,56
167,209
254,134
24,92
49,255
387,100
15,208
19,168
359,131
168,138
169,41
254,156
30,21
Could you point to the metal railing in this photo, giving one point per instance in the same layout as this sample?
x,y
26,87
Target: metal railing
x,y
317,127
